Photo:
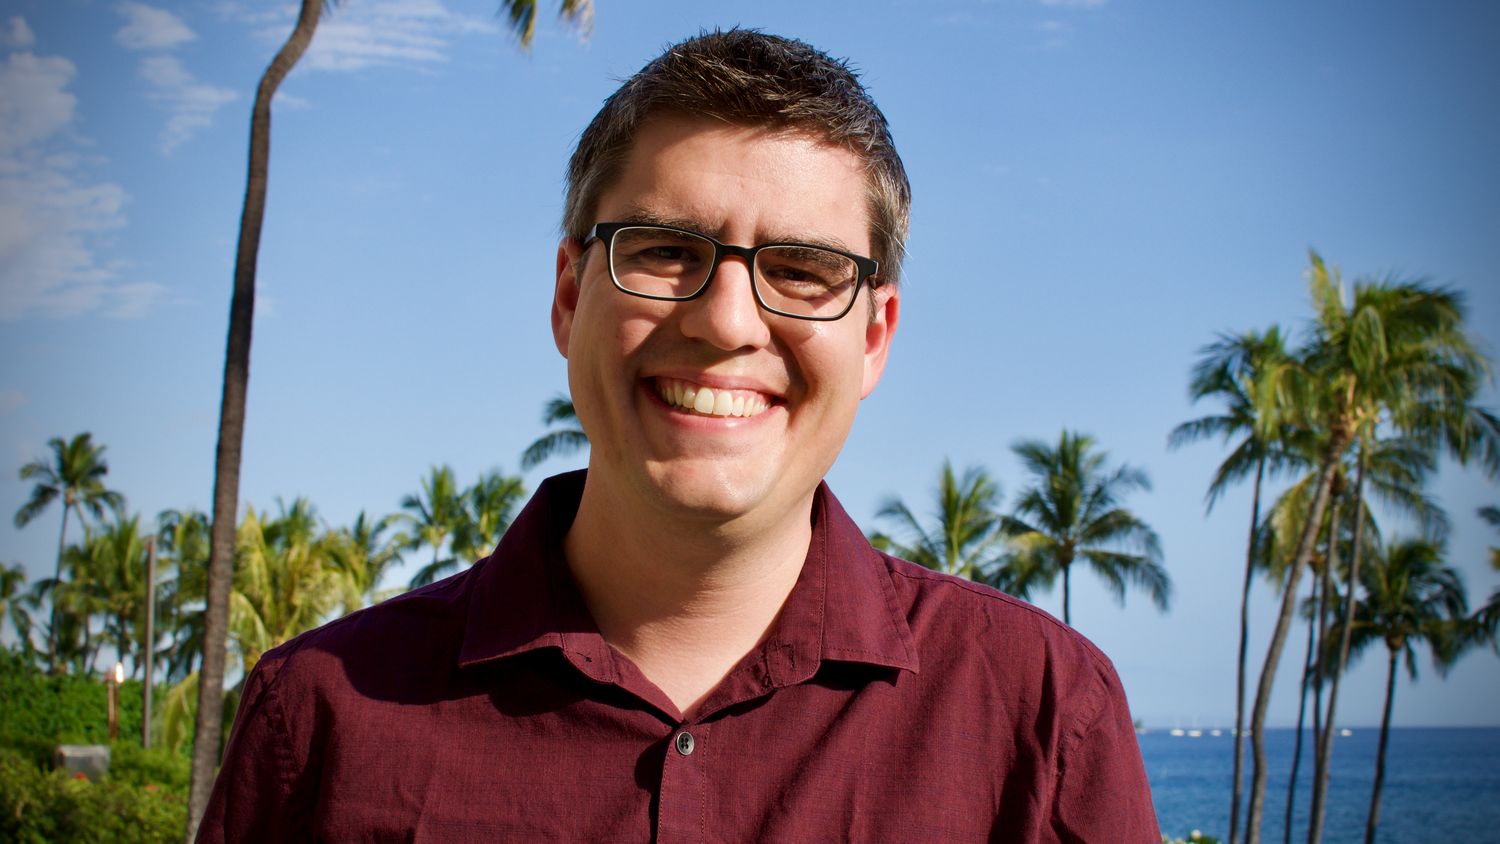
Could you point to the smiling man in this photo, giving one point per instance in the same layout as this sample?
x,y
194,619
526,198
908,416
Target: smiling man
x,y
691,641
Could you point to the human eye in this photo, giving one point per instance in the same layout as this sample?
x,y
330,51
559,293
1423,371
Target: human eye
x,y
660,251
805,272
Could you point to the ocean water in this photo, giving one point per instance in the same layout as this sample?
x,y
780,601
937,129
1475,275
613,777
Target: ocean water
x,y
1441,784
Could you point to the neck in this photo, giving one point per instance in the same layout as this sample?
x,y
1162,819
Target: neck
x,y
683,598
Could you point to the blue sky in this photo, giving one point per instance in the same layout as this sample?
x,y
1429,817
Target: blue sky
x,y
1100,186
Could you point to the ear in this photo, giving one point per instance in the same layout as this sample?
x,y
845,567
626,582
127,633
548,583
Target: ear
x,y
565,294
879,333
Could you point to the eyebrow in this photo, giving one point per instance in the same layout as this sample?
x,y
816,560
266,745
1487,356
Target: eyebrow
x,y
638,215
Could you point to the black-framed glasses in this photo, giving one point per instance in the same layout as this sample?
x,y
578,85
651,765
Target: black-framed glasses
x,y
673,265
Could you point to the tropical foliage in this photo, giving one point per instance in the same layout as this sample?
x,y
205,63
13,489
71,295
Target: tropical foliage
x,y
965,541
1386,381
1071,512
1335,434
566,437
75,476
1410,598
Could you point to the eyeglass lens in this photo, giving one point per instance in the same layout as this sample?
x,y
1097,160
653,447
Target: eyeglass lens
x,y
797,280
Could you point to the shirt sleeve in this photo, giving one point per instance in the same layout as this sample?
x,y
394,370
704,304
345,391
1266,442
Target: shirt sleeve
x,y
264,790
1102,790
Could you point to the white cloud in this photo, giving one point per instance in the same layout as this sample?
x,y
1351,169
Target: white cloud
x,y
51,212
290,101
412,33
190,103
17,34
150,28
33,104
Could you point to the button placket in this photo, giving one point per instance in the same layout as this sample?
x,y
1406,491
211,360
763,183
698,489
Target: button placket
x,y
683,798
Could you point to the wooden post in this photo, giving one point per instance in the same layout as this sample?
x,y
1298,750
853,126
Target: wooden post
x,y
113,685
149,648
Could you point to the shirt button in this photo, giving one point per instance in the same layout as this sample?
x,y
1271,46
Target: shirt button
x,y
685,743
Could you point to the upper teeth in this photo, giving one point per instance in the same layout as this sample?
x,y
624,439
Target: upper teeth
x,y
708,401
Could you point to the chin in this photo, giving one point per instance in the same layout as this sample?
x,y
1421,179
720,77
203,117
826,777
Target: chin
x,y
708,494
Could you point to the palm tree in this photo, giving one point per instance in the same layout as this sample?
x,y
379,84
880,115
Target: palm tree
x,y
13,606
364,552
1275,545
75,474
966,540
564,440
1383,349
1398,356
489,505
1410,597
112,563
286,580
183,542
434,515
1072,512
1487,619
207,734
1245,371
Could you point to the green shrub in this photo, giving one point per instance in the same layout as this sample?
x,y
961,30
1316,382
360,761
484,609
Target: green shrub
x,y
41,806
69,709
159,767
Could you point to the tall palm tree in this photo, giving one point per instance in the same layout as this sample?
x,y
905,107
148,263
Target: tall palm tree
x,y
1410,597
1403,351
207,735
1072,512
489,505
1247,373
566,439
75,474
966,540
1275,545
433,516
1399,355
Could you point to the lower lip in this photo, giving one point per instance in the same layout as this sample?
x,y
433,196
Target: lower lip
x,y
699,420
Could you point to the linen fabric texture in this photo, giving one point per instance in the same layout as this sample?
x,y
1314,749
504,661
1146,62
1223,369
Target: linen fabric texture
x,y
888,703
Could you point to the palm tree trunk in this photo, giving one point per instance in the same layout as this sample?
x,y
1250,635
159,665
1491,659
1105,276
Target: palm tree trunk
x,y
1278,640
62,539
1385,734
208,733
1067,619
1325,742
1320,674
1239,680
1307,673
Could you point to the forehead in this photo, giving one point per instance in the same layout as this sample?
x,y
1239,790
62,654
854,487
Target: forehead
x,y
723,178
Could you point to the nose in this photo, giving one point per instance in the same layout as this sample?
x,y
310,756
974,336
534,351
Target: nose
x,y
727,315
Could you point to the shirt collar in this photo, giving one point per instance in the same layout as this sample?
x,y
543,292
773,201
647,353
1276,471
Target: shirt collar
x,y
843,606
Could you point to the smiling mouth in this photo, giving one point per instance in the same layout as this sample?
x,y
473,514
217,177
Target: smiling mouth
x,y
707,401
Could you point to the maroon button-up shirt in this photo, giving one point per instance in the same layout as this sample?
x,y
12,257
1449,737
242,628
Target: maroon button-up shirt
x,y
888,703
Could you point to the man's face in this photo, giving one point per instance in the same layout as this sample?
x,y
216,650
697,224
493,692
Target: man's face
x,y
632,362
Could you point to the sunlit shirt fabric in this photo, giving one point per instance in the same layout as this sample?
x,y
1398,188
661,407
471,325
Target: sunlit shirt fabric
x,y
888,703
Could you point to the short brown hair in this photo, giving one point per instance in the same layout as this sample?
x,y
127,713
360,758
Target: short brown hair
x,y
747,77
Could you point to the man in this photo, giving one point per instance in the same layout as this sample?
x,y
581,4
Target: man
x,y
692,641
